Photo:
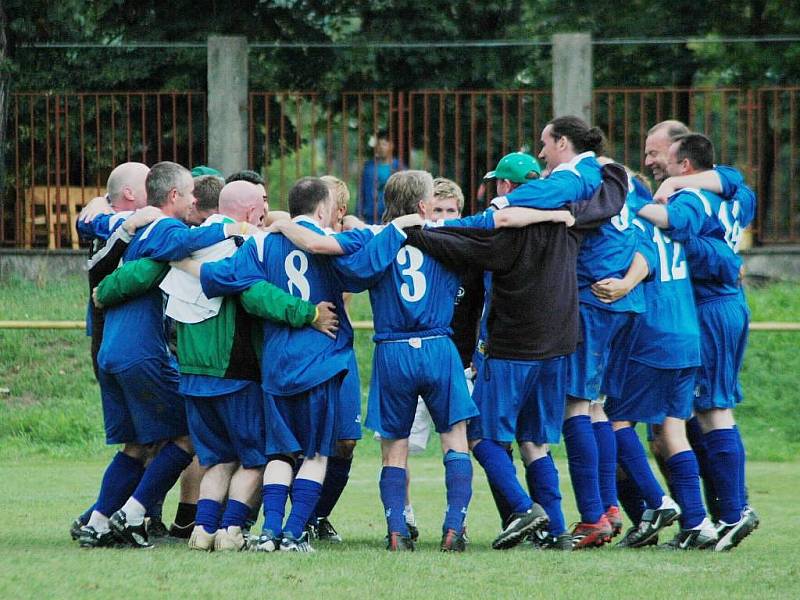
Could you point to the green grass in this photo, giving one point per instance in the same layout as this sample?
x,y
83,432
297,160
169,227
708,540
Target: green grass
x,y
41,496
52,405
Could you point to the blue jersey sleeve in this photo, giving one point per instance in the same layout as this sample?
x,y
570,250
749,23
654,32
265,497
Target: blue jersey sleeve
x,y
354,240
554,191
237,273
645,245
362,268
686,214
102,226
172,240
484,220
734,188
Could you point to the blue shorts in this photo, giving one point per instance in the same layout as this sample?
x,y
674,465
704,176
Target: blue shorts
x,y
142,404
348,414
401,373
723,339
607,338
303,423
520,400
228,428
649,395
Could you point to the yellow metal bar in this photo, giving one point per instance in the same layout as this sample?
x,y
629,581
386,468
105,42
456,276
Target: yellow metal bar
x,y
366,325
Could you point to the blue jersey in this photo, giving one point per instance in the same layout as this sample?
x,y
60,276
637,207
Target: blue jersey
x,y
608,251
572,181
700,213
413,297
735,190
137,330
669,334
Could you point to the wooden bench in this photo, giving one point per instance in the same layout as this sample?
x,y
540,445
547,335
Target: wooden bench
x,y
42,216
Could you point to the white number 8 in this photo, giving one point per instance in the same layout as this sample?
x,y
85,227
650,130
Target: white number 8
x,y
413,257
296,274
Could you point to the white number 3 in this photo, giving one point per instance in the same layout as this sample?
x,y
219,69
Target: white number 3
x,y
413,257
296,274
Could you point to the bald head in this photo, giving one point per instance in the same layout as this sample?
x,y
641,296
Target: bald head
x,y
125,186
243,201
656,146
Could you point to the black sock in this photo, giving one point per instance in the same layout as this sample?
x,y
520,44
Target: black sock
x,y
185,514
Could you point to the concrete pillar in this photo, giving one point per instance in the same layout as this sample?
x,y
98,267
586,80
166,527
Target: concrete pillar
x,y
227,103
572,75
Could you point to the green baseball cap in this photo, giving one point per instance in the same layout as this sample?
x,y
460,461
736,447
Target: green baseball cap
x,y
515,167
201,170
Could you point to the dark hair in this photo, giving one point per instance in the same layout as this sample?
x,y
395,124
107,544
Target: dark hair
x,y
698,149
246,175
577,131
206,190
163,177
306,194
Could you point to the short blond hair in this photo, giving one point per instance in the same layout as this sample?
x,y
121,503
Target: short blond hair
x,y
339,190
444,188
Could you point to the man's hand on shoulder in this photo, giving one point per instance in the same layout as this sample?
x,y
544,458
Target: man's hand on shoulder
x,y
142,218
326,321
96,206
408,221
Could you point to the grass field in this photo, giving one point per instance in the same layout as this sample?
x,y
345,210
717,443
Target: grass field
x,y
52,456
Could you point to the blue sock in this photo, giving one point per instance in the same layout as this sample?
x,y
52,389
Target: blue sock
x,y
634,462
630,497
500,472
742,456
336,476
274,495
161,474
235,514
503,508
458,481
208,514
606,462
583,468
87,514
157,510
393,496
122,476
723,456
685,477
698,443
542,478
305,494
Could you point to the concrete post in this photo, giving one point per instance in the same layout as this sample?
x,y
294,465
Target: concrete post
x,y
572,75
227,103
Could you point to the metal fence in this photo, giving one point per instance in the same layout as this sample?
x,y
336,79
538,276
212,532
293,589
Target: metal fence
x,y
62,147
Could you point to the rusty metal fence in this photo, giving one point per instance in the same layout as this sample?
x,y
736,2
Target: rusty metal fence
x,y
61,148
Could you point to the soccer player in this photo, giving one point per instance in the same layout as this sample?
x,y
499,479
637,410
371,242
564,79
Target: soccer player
x,y
139,384
301,369
723,317
569,149
376,173
521,385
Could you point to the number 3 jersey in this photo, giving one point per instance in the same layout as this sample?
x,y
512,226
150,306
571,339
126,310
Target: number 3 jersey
x,y
413,297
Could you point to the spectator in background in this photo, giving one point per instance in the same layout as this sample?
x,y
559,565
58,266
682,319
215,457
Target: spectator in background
x,y
376,172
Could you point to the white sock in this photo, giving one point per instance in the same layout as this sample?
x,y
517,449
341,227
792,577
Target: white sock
x,y
98,521
134,511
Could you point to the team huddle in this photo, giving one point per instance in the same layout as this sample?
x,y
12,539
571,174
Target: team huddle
x,y
578,303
